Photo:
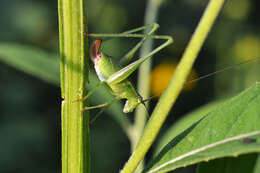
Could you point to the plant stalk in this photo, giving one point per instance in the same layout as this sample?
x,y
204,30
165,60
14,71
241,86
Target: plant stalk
x,y
73,68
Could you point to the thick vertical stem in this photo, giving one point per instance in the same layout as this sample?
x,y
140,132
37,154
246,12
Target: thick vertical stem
x,y
73,51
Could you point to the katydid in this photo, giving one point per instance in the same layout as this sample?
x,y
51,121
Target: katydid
x,y
110,74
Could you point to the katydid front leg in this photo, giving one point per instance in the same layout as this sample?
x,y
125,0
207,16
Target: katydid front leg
x,y
109,72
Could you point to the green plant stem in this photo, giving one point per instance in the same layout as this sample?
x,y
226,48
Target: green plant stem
x,y
75,125
143,86
171,93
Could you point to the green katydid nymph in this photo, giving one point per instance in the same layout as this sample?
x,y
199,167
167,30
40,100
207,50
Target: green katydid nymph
x,y
105,67
110,74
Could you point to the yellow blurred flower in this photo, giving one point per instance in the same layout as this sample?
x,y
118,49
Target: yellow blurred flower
x,y
161,76
247,47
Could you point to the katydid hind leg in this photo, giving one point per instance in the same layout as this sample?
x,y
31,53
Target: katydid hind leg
x,y
128,70
130,54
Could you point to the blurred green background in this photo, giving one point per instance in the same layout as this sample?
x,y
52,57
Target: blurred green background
x,y
30,108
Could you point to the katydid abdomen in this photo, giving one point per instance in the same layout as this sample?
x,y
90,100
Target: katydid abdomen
x,y
105,67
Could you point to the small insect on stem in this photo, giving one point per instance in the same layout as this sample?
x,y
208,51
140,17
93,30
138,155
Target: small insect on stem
x,y
115,78
105,67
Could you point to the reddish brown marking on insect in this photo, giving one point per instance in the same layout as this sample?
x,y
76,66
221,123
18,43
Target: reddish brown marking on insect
x,y
94,50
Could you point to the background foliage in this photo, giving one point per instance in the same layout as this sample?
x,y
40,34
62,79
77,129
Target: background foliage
x,y
30,108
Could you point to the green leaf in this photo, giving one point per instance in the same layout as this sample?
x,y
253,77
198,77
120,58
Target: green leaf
x,y
31,60
184,123
231,129
243,164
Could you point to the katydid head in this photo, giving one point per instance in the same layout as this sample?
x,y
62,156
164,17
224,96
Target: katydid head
x,y
95,54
